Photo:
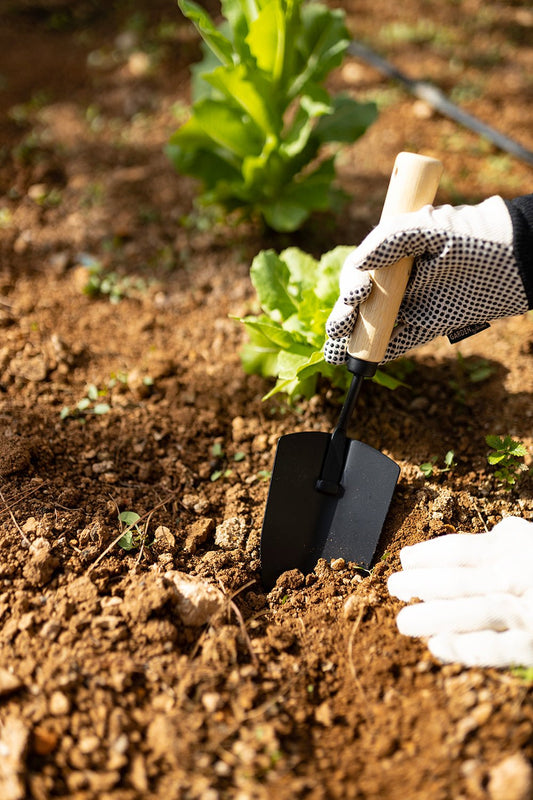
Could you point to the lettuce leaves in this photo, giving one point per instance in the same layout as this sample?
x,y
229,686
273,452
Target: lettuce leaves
x,y
262,125
296,293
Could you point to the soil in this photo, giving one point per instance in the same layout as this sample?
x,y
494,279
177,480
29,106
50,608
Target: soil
x,y
115,681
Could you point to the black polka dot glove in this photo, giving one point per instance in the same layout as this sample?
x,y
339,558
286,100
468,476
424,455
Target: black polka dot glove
x,y
465,274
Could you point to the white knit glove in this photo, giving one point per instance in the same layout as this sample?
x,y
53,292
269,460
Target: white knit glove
x,y
476,592
465,274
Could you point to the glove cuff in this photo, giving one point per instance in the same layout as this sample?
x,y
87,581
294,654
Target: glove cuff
x,y
521,212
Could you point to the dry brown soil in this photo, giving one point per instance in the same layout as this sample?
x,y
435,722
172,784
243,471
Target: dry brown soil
x,y
308,691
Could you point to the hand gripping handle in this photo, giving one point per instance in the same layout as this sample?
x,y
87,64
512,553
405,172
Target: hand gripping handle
x,y
413,184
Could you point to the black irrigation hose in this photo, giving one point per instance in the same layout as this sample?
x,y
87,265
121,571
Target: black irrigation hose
x,y
438,100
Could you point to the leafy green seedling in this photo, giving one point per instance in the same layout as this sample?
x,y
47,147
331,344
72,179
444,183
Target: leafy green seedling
x,y
134,534
91,403
22,113
429,468
6,217
470,372
220,473
508,456
523,673
217,450
477,370
108,283
261,115
296,294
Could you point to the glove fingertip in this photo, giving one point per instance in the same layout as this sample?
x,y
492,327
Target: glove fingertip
x,y
341,320
335,351
441,647
397,588
408,623
358,294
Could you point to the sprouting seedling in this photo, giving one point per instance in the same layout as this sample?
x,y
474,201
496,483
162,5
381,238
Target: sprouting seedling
x,y
219,455
90,403
523,673
470,371
102,282
134,534
508,456
430,468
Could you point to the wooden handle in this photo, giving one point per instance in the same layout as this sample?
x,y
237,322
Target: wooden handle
x,y
413,184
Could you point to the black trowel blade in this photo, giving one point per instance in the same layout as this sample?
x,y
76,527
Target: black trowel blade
x,y
302,524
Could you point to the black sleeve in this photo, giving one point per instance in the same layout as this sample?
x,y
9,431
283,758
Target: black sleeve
x,y
521,211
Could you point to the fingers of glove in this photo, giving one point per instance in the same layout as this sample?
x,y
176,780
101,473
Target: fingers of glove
x,y
448,582
384,252
440,583
354,284
510,535
428,230
335,351
496,612
484,648
341,321
402,235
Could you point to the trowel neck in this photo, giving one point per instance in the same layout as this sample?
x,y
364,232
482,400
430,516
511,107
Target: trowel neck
x,y
366,369
349,404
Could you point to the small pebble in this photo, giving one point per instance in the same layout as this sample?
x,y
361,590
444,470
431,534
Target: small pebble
x,y
8,682
511,779
59,704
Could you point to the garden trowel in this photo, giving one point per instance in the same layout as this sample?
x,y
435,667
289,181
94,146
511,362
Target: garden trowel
x,y
329,495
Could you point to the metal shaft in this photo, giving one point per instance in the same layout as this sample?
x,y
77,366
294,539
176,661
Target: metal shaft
x,y
329,481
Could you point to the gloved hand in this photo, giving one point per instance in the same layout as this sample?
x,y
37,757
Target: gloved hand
x,y
465,274
476,592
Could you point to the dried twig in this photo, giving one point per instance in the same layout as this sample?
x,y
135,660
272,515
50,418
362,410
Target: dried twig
x,y
351,662
15,523
239,616
19,499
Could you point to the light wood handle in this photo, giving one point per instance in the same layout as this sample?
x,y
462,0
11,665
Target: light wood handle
x,y
413,184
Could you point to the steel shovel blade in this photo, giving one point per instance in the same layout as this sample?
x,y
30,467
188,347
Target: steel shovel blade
x,y
302,524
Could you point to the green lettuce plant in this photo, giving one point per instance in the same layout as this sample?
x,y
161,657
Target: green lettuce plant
x,y
296,294
262,125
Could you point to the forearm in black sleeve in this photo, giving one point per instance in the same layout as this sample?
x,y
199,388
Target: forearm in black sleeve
x,y
521,211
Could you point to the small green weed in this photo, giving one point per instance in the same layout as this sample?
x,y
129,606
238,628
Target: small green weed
x,y
423,31
6,217
102,282
430,468
97,401
22,113
223,469
470,372
508,456
45,196
524,673
134,534
91,403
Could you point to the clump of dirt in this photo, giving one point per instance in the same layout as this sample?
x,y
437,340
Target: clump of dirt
x,y
143,658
